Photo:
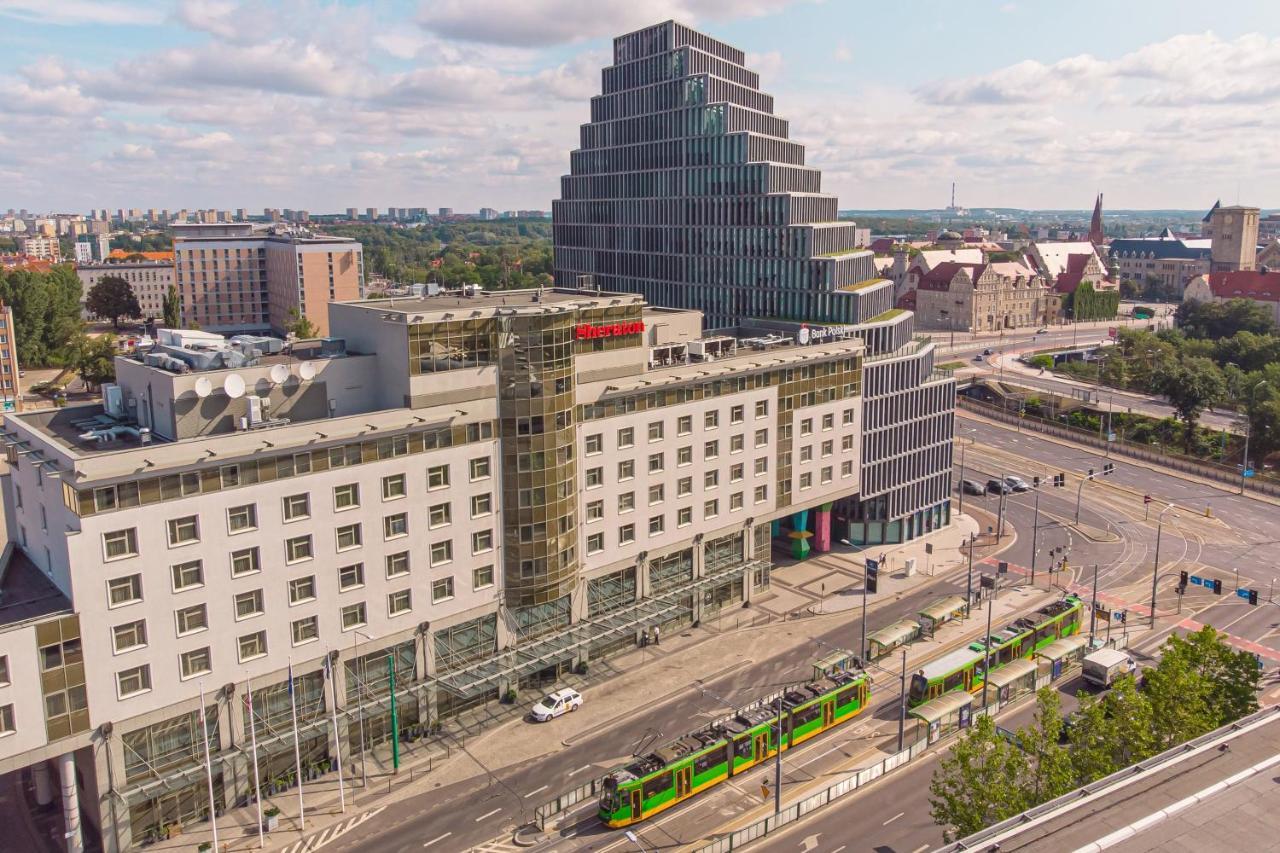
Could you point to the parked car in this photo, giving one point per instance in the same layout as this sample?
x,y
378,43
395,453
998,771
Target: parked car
x,y
978,358
972,487
987,351
1042,331
557,703
1017,484
999,487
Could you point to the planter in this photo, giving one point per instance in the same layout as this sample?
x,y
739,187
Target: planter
x,y
271,822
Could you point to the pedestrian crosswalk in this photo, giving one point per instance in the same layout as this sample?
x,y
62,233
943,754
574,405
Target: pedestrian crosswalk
x,y
329,834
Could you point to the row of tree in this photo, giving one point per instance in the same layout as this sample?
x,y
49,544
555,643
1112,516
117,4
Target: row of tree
x,y
1199,684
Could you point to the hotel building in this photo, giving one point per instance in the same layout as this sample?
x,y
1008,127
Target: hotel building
x,y
149,281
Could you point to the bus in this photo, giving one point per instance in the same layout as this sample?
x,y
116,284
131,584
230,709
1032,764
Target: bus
x,y
961,669
687,766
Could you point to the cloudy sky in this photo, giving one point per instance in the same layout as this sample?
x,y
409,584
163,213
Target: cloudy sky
x,y
322,105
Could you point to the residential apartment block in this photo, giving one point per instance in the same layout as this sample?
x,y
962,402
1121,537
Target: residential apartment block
x,y
238,278
10,387
445,482
41,247
149,280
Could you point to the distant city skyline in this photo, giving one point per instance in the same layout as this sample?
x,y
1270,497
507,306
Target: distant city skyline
x,y
327,105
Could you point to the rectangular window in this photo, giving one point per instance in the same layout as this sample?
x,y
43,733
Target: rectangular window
x,y
130,635
187,575
846,417
711,450
828,421
242,518
710,509
594,444
761,494
657,524
684,424
349,536
762,408
346,497
846,469
302,589
626,502
441,552
439,515
297,506
124,590
192,619
395,526
393,486
7,726
761,465
710,479
626,534
298,548
120,543
195,662
806,426
441,590
735,501
131,682
737,443
655,431
684,516
482,577
246,561
656,463
684,456
735,472
684,486
253,645
595,510
806,480
806,453
711,420
480,468
397,564
626,469
762,437
400,601
183,530
656,494
737,414
305,630
626,437
481,541
4,671
595,477
595,543
351,577
846,443
826,474
248,604
481,505
438,477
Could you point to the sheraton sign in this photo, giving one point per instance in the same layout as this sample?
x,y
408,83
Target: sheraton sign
x,y
586,331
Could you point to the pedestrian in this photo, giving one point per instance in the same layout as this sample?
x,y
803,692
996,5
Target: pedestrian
x,y
655,635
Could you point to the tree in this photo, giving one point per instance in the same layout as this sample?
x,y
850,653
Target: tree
x,y
46,312
976,784
1049,771
1216,320
172,309
1229,677
113,297
1264,425
1191,385
94,358
1091,738
299,326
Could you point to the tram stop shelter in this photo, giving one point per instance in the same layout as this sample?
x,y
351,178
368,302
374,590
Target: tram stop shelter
x,y
890,637
944,715
939,613
838,661
1014,679
1061,655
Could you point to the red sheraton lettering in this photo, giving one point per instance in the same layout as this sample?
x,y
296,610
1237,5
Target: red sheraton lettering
x,y
586,331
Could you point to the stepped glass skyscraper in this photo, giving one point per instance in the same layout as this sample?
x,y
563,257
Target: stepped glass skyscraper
x,y
686,188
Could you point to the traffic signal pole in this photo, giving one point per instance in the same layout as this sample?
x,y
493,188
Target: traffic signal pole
x,y
1035,537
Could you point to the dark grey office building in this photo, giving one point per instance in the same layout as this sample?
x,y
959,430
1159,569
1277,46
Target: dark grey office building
x,y
686,189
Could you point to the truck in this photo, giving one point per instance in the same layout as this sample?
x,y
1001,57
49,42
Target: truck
x,y
1103,667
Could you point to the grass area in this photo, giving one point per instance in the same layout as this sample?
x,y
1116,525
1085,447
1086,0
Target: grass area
x,y
888,315
862,285
952,365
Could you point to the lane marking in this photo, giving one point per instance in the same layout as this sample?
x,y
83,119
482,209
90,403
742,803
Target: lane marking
x,y
838,849
921,849
536,791
437,838
892,819
488,814
580,769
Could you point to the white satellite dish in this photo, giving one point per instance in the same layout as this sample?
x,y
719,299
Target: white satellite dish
x,y
307,370
234,385
279,373
204,386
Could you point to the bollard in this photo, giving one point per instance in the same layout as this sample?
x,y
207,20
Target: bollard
x,y
1208,511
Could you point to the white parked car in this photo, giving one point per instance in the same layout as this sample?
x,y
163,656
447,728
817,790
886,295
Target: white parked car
x,y
555,704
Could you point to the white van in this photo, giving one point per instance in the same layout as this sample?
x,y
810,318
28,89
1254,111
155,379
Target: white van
x,y
1103,667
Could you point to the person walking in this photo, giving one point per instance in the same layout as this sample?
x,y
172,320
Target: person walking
x,y
655,635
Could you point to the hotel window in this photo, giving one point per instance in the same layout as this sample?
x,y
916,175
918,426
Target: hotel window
x,y
131,682
806,453
481,505
656,463
595,477
595,543
626,534
400,601
242,518
684,424
762,408
736,443
7,726
346,497
296,507
711,420
354,616
655,431
594,444
253,645
248,604
826,474
684,456
351,577
657,524
595,510
846,442
437,477
711,450
735,472
441,552
806,480
245,561
762,437
684,486
298,548
710,479
195,662
183,530
626,502
762,465
4,671
481,541
441,590
828,447
846,417
120,543
393,486
626,437
124,590
710,509
479,468
302,589
761,494
439,515
737,414
395,526
397,564
187,575
191,619
656,494
828,421
129,636
482,577
305,630
626,469
684,516
735,501
806,426
349,536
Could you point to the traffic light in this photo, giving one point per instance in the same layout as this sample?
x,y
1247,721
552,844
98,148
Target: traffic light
x,y
1146,499
1253,597
1217,587
1035,481
1059,480
1108,468
1091,473
1183,578
872,576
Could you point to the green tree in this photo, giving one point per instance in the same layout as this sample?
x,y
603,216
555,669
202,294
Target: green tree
x,y
172,309
94,358
1229,677
113,297
1091,738
975,784
1049,770
1217,320
1264,425
1191,385
46,312
299,326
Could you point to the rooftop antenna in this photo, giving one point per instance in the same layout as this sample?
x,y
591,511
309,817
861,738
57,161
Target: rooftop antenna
x,y
953,195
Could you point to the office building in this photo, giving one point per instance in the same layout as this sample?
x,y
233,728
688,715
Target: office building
x,y
149,280
236,277
687,189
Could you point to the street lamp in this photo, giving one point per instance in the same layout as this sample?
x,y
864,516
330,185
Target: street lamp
x,y
1155,571
962,449
1248,430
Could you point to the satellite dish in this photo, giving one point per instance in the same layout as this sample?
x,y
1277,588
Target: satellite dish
x,y
234,385
204,386
279,373
307,370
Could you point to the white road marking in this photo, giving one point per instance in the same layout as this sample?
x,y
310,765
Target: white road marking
x,y
838,849
580,769
488,814
536,791
437,838
892,819
921,849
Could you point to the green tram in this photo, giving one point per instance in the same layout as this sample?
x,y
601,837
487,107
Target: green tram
x,y
962,668
684,767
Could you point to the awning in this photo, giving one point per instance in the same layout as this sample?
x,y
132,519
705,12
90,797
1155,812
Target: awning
x,y
943,608
1011,672
943,706
895,634
1059,649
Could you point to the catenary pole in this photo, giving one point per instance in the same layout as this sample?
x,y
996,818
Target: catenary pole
x,y
253,738
208,767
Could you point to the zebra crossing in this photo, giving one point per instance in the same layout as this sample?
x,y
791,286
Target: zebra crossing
x,y
329,834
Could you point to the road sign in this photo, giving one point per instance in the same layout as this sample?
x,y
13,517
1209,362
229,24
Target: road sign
x,y
1121,615
1111,436
1248,472
987,582
928,547
1003,568
1113,332
872,582
1242,593
1197,581
1146,499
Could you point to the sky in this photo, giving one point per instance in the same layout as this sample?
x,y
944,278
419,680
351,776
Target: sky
x,y
323,105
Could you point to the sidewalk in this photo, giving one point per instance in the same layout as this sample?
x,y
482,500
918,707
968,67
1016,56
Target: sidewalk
x,y
734,639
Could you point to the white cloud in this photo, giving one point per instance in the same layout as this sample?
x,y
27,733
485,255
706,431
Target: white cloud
x,y
80,12
131,152
842,53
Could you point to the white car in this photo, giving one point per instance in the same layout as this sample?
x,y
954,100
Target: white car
x,y
555,704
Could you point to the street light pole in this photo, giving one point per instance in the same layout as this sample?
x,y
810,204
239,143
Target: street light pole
x,y
986,646
777,765
1155,570
968,587
962,449
1093,605
1248,431
902,702
1080,494
1004,487
1035,537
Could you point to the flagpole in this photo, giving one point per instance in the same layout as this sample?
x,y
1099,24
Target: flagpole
x,y
257,784
337,742
297,751
208,767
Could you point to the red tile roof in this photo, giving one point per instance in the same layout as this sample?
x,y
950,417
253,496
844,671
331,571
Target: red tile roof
x,y
1248,284
881,245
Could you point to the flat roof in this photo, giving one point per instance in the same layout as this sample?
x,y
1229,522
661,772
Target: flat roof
x,y
531,298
